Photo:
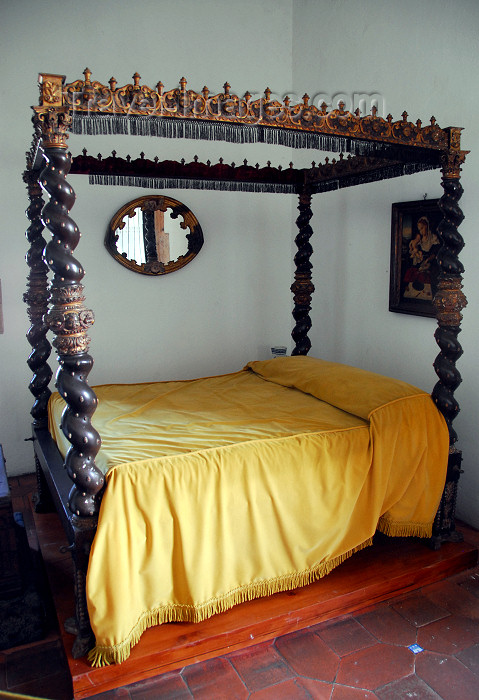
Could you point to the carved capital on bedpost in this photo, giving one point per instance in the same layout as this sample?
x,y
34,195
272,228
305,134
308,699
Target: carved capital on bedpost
x,y
54,122
449,303
302,286
69,320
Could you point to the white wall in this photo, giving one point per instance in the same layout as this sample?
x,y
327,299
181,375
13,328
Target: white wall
x,y
420,57
233,301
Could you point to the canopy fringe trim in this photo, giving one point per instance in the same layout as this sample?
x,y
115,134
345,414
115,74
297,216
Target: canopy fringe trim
x,y
159,183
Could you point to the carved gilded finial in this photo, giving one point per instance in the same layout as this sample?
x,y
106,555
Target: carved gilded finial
x,y
112,82
324,107
404,116
341,106
454,133
267,94
247,96
286,101
136,81
306,99
374,111
183,84
205,92
159,87
51,89
226,88
87,74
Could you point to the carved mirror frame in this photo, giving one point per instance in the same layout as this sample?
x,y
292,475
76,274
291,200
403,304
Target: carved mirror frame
x,y
154,266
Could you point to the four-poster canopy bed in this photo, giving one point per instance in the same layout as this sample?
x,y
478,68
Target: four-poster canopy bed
x,y
377,148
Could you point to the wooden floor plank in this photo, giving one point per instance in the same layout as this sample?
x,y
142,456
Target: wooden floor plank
x,y
391,567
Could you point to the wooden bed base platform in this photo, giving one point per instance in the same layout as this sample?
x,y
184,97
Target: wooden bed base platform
x,y
389,568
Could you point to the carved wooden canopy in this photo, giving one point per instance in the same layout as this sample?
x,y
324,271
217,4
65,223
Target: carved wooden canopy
x,y
382,147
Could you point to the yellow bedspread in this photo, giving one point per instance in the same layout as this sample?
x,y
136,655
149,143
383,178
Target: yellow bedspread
x,y
247,484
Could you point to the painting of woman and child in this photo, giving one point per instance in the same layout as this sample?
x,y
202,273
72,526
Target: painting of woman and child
x,y
414,266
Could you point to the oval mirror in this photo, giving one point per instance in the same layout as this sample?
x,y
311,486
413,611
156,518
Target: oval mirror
x,y
154,235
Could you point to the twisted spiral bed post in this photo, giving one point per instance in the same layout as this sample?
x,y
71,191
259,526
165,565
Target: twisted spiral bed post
x,y
36,297
302,286
69,320
449,302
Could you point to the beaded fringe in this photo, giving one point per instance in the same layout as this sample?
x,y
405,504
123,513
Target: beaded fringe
x,y
386,173
94,124
176,127
159,183
106,655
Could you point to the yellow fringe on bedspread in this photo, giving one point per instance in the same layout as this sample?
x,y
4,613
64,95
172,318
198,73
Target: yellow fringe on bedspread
x,y
104,656
395,529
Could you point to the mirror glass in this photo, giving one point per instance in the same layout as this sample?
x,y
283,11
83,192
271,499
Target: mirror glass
x,y
154,235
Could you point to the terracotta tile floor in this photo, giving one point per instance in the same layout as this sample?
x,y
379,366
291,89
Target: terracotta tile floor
x,y
423,645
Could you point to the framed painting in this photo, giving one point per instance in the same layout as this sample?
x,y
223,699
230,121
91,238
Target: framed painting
x,y
414,268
